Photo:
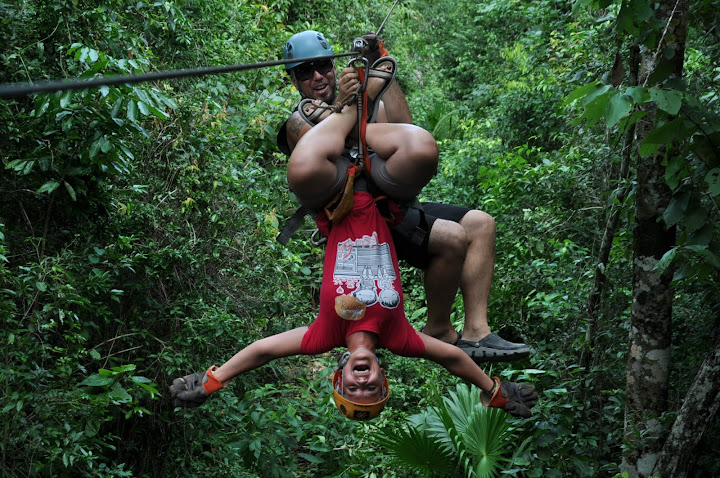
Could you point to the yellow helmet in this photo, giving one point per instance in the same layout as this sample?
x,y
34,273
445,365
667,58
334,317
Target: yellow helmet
x,y
353,410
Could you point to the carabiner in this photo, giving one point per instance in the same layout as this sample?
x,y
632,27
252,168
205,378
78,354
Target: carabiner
x,y
363,64
315,241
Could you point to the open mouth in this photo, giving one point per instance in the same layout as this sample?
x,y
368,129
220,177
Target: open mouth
x,y
361,369
320,89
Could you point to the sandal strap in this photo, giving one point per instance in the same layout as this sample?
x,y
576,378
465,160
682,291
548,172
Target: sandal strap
x,y
388,76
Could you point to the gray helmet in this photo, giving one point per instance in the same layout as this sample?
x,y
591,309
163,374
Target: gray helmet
x,y
307,44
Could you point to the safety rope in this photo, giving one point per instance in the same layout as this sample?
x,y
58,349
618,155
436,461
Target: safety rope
x,y
342,204
14,90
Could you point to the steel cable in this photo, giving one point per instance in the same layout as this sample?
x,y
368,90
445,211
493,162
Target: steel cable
x,y
14,90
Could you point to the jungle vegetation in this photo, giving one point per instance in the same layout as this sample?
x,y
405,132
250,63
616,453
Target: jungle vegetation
x,y
138,226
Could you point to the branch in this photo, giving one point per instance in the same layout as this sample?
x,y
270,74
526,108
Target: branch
x,y
660,43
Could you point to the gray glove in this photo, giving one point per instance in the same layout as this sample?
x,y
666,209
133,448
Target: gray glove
x,y
192,390
517,400
521,398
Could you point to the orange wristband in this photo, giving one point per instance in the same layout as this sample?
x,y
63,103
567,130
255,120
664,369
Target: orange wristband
x,y
213,384
497,400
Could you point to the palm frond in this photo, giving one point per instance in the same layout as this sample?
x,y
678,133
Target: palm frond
x,y
459,435
460,405
430,421
488,438
464,457
418,451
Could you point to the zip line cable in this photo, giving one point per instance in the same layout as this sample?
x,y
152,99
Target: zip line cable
x,y
13,90
377,32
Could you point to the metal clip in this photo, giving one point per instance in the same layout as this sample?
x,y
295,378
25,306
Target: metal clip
x,y
363,64
359,45
315,241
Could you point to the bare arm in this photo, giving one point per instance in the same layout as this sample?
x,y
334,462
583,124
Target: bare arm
x,y
296,127
261,352
394,107
456,362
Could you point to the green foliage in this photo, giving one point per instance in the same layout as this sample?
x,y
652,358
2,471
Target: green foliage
x,y
276,430
138,233
457,434
683,124
49,341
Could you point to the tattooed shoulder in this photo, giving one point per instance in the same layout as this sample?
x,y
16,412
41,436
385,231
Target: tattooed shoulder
x,y
295,124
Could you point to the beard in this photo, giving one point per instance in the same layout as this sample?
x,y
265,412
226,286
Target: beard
x,y
322,91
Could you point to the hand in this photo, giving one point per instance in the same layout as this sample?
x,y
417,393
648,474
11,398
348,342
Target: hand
x,y
193,390
347,83
375,47
517,400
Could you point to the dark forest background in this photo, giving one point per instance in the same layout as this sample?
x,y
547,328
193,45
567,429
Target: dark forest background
x,y
138,225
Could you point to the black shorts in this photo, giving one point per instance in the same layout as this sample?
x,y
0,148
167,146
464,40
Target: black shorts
x,y
418,255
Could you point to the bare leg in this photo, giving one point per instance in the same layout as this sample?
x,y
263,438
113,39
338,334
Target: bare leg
x,y
411,152
477,272
311,168
448,244
476,279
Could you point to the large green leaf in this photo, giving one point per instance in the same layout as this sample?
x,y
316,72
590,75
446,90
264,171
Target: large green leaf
x,y
97,381
713,181
676,209
581,92
48,187
618,107
595,109
660,136
667,100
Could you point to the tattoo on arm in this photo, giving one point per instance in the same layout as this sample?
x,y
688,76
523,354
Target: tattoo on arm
x,y
295,124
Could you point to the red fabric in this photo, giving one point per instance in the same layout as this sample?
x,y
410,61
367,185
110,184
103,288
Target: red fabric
x,y
363,115
360,260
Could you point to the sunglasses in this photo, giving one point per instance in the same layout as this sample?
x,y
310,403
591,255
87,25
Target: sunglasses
x,y
307,70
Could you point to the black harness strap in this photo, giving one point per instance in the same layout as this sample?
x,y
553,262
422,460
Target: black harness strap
x,y
292,225
422,229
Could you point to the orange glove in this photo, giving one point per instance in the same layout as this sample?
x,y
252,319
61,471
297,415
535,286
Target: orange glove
x,y
517,400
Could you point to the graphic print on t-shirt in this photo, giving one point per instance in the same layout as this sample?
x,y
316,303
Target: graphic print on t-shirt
x,y
366,266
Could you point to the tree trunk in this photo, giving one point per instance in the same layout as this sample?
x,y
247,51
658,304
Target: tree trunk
x,y
696,416
650,334
611,226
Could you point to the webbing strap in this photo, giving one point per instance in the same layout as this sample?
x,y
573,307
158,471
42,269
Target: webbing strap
x,y
421,230
344,202
292,225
